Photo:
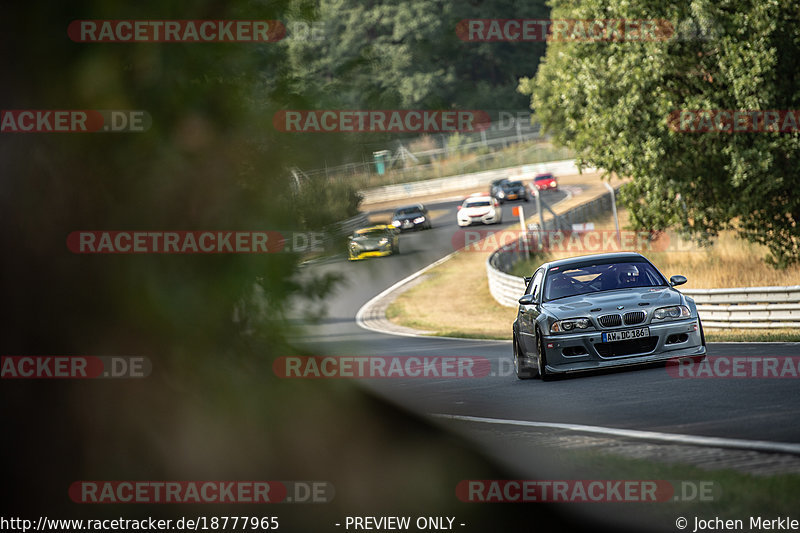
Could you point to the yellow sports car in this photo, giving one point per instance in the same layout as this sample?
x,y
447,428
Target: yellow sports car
x,y
375,241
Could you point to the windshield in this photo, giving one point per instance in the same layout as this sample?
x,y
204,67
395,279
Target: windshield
x,y
583,279
407,211
512,185
478,203
543,178
370,233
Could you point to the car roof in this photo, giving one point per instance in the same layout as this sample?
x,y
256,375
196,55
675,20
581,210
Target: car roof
x,y
418,207
617,256
545,175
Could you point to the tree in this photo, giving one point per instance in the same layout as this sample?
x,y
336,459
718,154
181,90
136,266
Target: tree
x,y
384,54
611,101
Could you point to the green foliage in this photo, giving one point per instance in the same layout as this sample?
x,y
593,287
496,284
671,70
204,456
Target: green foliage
x,y
610,101
211,161
386,54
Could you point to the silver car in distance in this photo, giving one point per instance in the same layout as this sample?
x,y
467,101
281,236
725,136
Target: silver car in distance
x,y
600,311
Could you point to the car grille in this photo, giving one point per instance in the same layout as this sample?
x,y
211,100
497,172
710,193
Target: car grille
x,y
634,317
610,321
629,347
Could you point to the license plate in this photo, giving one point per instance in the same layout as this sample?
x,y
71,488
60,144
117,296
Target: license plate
x,y
512,196
626,335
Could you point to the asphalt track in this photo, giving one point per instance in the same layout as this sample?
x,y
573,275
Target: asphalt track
x,y
498,409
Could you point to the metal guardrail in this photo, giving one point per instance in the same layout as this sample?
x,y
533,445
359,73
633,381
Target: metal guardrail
x,y
350,225
748,307
744,307
465,181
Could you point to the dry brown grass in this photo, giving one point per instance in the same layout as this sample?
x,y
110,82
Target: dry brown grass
x,y
727,262
454,299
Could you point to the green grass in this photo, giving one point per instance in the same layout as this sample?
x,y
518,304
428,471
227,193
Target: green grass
x,y
752,335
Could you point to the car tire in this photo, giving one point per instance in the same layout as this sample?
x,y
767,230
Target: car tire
x,y
541,359
520,369
396,249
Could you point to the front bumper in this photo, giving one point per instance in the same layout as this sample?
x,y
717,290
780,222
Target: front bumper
x,y
355,256
491,218
562,352
521,196
410,225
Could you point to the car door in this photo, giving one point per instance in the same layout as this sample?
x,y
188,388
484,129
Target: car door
x,y
528,313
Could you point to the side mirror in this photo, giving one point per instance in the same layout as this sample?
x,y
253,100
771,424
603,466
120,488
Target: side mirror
x,y
677,280
527,299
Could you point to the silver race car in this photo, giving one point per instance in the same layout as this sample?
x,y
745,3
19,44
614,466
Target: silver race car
x,y
600,311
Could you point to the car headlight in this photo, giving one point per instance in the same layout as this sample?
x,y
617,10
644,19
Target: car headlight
x,y
395,223
354,246
501,194
570,325
672,313
419,220
383,241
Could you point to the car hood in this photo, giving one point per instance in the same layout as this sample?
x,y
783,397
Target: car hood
x,y
595,303
474,211
367,240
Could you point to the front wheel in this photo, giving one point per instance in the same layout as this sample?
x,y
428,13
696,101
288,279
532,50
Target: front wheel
x,y
520,368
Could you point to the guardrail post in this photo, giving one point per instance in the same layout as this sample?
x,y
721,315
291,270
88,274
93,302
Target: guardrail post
x,y
614,210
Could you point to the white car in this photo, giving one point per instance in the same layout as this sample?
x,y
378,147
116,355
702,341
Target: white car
x,y
482,209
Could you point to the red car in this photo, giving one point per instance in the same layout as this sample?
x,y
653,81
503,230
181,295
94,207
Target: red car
x,y
545,182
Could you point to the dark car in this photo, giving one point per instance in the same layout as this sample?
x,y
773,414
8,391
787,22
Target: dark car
x,y
508,191
411,217
375,241
494,187
599,311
